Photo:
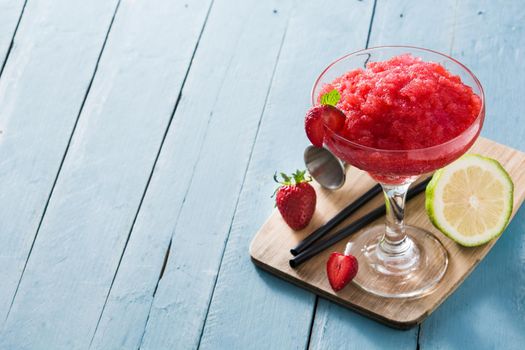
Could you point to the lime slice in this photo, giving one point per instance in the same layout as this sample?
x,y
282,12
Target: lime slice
x,y
470,200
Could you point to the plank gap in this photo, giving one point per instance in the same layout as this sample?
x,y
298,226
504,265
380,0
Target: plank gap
x,y
312,322
11,44
163,268
371,24
166,257
418,346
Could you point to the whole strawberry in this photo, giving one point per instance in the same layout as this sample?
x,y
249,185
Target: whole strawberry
x,y
295,199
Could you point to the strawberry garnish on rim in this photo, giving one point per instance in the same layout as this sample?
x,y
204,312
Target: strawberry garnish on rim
x,y
323,116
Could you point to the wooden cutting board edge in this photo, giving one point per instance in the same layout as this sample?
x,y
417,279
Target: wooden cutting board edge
x,y
403,325
318,291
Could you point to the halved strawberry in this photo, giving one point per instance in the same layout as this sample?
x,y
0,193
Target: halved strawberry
x,y
320,116
341,269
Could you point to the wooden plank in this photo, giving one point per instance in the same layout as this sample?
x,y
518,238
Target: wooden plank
x,y
396,23
42,88
489,39
194,188
250,308
267,247
105,173
338,328
10,14
488,311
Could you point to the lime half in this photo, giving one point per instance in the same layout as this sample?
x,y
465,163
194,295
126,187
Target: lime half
x,y
470,200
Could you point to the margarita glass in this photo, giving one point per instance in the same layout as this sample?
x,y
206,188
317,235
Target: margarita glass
x,y
397,260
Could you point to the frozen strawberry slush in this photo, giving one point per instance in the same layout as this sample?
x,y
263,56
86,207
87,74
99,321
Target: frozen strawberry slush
x,y
403,103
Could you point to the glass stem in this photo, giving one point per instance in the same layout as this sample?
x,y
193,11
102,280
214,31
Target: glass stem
x,y
395,241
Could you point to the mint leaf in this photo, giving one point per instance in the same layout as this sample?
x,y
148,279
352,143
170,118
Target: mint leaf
x,y
331,98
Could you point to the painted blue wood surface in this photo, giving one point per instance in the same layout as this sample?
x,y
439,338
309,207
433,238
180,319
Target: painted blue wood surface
x,y
336,327
194,189
488,309
42,87
104,175
209,190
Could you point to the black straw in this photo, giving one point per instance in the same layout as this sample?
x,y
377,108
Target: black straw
x,y
353,227
336,220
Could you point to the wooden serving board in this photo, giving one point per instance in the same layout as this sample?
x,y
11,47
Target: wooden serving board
x,y
270,247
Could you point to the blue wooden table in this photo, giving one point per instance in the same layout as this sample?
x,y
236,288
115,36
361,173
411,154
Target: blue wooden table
x,y
139,139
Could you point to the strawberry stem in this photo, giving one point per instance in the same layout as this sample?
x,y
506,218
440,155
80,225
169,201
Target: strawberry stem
x,y
296,178
348,248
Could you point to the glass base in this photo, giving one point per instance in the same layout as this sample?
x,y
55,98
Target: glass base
x,y
413,273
